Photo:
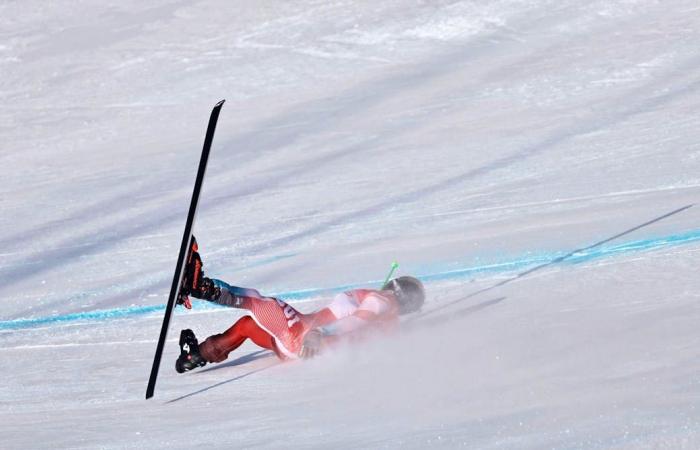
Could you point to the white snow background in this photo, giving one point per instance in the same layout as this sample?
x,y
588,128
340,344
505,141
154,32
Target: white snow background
x,y
532,161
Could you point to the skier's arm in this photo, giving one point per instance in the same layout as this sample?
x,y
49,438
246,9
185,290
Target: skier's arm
x,y
344,329
343,305
371,309
345,325
347,328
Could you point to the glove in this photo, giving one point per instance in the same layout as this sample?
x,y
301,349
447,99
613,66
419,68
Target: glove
x,y
311,346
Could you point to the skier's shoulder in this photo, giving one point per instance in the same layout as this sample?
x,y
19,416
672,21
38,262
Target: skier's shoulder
x,y
376,301
368,294
371,300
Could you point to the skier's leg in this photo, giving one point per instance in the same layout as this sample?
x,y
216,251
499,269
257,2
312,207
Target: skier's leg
x,y
195,284
282,321
235,296
276,318
222,293
217,348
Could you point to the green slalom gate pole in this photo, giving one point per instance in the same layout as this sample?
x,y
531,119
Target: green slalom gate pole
x,y
394,266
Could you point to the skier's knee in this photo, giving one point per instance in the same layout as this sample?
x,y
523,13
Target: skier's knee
x,y
214,349
245,324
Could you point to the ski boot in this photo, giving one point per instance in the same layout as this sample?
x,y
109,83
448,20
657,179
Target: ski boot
x,y
189,353
193,280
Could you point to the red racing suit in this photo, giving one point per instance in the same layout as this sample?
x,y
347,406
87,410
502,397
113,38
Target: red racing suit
x,y
348,314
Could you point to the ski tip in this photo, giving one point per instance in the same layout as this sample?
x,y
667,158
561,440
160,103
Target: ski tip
x,y
218,105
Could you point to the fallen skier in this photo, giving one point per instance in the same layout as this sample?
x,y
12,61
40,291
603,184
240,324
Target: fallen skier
x,y
274,325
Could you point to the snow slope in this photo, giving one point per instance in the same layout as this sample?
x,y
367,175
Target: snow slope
x,y
535,162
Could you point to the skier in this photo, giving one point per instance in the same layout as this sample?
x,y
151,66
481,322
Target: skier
x,y
274,325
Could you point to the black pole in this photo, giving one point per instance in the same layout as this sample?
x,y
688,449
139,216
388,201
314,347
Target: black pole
x,y
184,246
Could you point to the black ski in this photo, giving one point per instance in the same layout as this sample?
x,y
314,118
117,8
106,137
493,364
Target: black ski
x,y
184,246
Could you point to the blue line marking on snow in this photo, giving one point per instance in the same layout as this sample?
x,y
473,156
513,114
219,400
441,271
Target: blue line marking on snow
x,y
103,314
603,252
526,261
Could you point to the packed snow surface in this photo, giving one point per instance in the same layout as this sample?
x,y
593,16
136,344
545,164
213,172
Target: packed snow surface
x,y
535,162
